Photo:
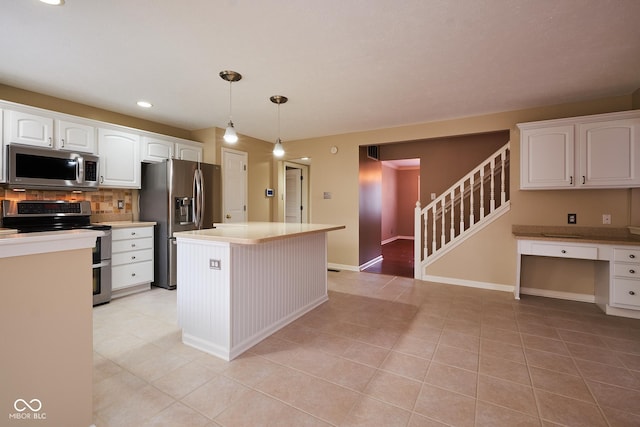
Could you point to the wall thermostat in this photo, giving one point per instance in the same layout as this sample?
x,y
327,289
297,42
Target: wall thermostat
x,y
268,192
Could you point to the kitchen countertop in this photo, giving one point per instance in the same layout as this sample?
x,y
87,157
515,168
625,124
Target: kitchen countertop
x,y
251,233
602,235
18,244
125,224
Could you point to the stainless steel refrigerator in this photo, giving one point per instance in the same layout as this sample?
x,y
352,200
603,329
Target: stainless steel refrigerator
x,y
179,195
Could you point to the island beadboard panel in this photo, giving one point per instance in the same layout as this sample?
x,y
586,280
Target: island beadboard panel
x,y
233,295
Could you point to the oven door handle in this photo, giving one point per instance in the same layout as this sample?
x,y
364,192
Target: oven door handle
x,y
103,263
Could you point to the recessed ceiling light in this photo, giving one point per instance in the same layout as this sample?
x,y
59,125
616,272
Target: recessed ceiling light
x,y
53,2
144,104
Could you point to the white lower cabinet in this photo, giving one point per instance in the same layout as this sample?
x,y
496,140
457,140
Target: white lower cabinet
x,y
625,279
131,260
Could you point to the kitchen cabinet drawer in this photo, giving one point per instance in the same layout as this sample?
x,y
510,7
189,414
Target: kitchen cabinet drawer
x,y
130,257
563,251
625,293
631,271
118,246
132,274
131,233
626,255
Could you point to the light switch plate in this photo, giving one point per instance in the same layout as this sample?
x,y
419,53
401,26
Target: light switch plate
x,y
215,264
572,218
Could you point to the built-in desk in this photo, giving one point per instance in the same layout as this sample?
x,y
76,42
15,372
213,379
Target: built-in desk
x,y
617,281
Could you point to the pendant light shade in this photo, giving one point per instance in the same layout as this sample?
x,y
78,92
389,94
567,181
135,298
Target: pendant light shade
x,y
230,135
278,149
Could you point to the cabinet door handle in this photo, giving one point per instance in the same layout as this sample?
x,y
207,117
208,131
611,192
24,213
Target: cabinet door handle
x,y
632,256
133,233
133,257
632,271
631,293
50,142
563,251
133,245
133,274
583,179
62,141
571,180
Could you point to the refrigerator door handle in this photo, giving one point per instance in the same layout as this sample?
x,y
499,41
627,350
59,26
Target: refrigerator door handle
x,y
202,191
194,204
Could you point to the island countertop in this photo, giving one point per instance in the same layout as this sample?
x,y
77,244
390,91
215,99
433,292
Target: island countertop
x,y
251,233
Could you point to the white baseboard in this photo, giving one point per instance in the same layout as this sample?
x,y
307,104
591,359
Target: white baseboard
x,y
393,239
469,283
334,266
370,263
571,296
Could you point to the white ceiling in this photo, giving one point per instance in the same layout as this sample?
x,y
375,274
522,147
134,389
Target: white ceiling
x,y
346,65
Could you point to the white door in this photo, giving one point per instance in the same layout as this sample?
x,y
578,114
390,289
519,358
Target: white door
x,y
234,181
293,205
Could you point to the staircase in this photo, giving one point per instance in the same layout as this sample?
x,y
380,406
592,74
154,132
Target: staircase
x,y
466,207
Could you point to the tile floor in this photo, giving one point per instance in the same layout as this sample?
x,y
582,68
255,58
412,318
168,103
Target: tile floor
x,y
383,351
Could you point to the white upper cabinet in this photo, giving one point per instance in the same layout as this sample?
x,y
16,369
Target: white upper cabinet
x,y
610,153
187,151
2,151
599,151
29,129
119,158
547,157
72,136
155,149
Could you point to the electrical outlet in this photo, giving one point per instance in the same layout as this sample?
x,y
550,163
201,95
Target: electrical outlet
x,y
120,204
606,218
572,218
433,196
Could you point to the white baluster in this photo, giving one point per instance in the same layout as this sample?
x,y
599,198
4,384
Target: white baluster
x,y
482,193
442,235
433,225
503,194
472,217
492,201
461,208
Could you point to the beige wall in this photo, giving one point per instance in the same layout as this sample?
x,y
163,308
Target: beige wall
x,y
338,173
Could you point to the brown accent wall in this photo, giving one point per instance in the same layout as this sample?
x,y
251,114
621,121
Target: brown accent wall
x,y
408,180
389,213
370,215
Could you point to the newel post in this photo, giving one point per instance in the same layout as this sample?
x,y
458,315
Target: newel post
x,y
417,242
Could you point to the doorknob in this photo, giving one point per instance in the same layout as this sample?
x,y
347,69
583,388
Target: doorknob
x,y
228,216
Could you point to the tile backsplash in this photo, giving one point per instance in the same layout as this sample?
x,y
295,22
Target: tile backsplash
x,y
104,202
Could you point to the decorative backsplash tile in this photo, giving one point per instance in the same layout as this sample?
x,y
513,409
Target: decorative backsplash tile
x,y
103,201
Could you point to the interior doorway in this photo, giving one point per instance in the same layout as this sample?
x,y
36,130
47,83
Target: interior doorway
x,y
399,191
296,194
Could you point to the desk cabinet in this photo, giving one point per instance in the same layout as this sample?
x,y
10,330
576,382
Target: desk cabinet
x,y
625,279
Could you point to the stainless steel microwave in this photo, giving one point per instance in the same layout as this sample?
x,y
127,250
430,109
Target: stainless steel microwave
x,y
39,168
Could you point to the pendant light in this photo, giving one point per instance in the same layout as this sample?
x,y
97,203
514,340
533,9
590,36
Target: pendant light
x,y
230,135
278,150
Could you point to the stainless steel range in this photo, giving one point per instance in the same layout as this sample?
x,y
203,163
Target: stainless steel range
x,y
30,216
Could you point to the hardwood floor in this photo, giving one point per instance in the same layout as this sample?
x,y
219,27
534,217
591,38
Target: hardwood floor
x,y
397,259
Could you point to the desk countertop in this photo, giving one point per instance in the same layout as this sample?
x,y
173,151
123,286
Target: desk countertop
x,y
601,235
251,233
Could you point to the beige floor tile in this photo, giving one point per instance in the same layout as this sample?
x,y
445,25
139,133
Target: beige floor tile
x,y
616,397
502,350
567,411
624,346
508,394
608,374
538,330
183,380
581,338
549,345
115,388
405,365
462,341
496,416
148,402
600,355
551,361
177,415
215,396
617,418
393,389
418,420
366,354
456,357
452,379
415,347
499,334
374,413
462,326
504,369
256,409
631,361
446,406
563,384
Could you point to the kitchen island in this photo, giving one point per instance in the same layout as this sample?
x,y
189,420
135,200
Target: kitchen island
x,y
239,283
